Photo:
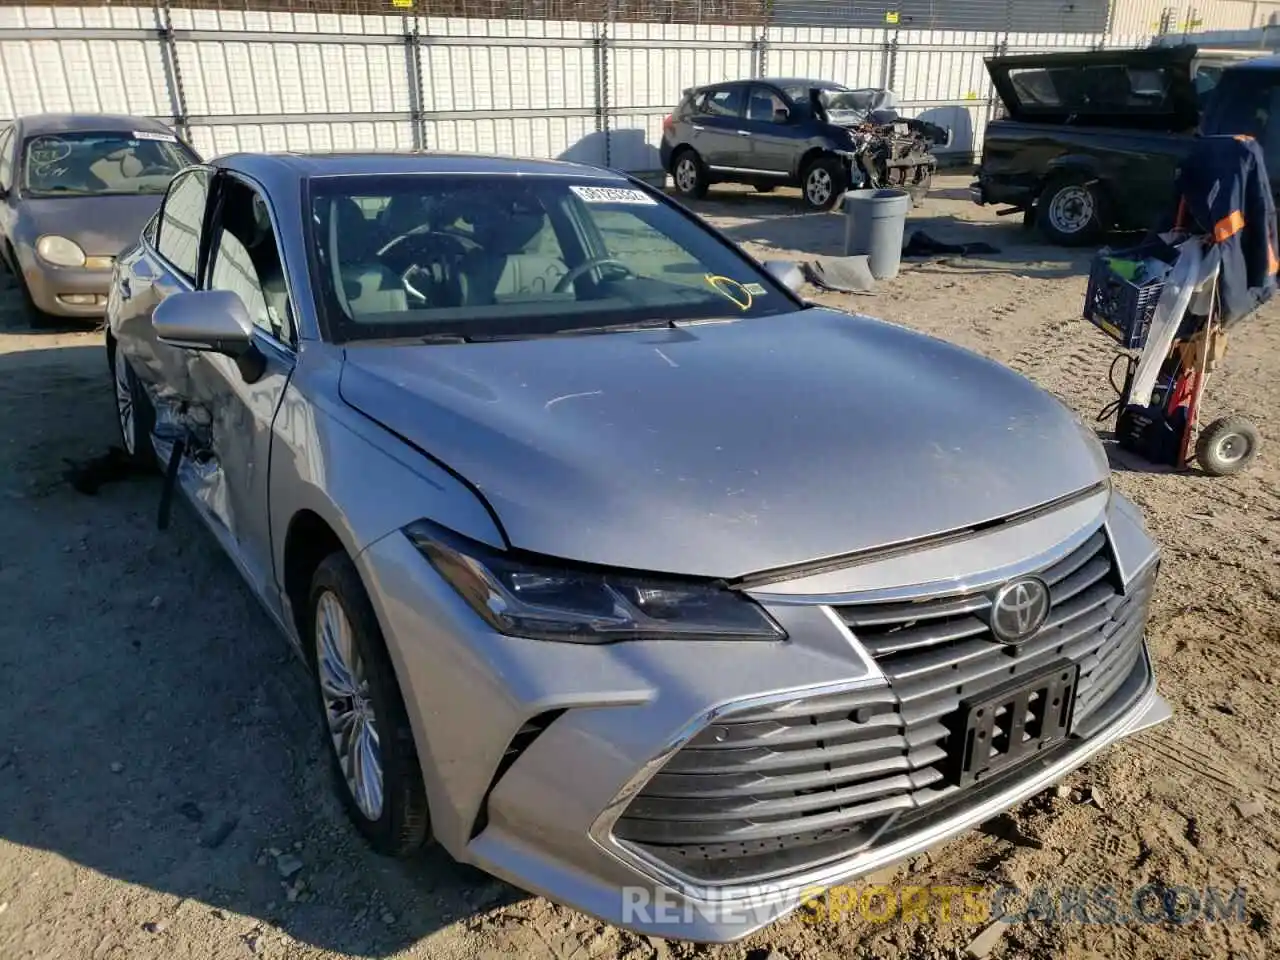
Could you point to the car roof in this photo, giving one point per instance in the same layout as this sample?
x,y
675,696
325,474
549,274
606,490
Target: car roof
x,y
310,165
34,125
779,82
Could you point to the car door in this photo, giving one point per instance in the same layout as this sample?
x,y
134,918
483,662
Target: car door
x,y
242,254
717,131
776,136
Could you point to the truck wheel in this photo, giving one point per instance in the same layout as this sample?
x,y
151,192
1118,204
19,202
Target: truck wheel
x,y
690,174
823,182
1227,446
1072,210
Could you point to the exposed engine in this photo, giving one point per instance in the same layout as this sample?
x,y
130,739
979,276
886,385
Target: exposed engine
x,y
888,150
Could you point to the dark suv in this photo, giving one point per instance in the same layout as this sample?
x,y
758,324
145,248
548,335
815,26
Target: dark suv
x,y
814,134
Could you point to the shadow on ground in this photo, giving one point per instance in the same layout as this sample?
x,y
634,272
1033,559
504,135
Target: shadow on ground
x,y
157,729
779,222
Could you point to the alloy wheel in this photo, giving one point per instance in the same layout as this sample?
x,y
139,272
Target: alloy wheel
x,y
686,174
348,709
818,186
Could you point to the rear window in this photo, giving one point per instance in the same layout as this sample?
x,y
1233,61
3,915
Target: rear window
x,y
1106,88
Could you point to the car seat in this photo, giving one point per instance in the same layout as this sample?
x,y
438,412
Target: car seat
x,y
367,285
504,268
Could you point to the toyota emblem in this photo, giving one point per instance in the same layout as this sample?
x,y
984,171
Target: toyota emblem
x,y
1019,609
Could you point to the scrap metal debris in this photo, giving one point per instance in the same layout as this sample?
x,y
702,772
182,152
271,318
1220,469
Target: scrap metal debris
x,y
840,274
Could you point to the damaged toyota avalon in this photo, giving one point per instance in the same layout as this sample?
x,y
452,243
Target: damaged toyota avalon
x,y
618,566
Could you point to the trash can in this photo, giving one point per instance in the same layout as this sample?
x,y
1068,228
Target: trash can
x,y
874,222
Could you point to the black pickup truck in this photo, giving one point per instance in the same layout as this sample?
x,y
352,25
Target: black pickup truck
x,y
1091,141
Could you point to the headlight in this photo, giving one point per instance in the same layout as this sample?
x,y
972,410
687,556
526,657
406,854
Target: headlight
x,y
535,598
60,251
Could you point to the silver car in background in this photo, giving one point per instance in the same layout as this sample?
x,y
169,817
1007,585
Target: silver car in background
x,y
622,572
75,190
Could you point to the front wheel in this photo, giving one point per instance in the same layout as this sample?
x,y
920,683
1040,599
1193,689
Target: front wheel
x,y
373,756
1072,210
823,182
134,413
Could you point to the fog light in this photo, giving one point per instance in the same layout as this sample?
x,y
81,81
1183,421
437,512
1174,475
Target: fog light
x,y
78,299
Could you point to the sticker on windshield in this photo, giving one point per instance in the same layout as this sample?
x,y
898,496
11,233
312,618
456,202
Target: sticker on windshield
x,y
613,195
755,289
147,135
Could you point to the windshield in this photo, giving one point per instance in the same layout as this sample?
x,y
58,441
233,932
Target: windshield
x,y
97,164
503,256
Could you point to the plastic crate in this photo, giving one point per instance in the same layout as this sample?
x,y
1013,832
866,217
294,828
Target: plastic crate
x,y
1120,308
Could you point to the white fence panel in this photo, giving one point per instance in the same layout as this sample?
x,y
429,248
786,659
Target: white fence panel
x,y
257,80
856,58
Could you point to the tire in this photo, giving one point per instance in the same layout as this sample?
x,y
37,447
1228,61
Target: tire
x,y
1072,210
689,174
823,182
766,187
353,675
37,319
1227,446
139,419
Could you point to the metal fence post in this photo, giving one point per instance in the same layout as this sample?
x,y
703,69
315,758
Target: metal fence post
x,y
761,46
172,70
601,57
889,69
413,62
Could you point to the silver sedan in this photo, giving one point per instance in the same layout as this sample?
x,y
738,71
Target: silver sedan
x,y
621,571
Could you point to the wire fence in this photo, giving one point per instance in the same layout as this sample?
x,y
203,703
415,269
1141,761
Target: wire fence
x,y
546,78
1082,16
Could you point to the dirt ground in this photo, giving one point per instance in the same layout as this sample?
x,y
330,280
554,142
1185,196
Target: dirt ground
x,y
159,764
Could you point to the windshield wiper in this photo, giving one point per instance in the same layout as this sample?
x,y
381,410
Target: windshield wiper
x,y
434,338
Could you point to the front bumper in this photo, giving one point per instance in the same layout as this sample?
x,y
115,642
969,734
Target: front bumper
x,y
67,291
532,751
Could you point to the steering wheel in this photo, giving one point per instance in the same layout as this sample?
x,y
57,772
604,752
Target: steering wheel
x,y
412,245
591,264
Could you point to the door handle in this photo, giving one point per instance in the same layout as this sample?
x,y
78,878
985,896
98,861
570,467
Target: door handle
x,y
744,133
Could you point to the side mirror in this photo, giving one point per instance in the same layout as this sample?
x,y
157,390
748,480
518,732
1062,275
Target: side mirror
x,y
786,273
782,115
214,321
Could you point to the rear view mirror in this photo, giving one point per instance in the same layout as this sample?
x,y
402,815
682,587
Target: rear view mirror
x,y
215,321
786,273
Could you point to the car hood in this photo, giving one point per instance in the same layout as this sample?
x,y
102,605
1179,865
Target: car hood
x,y
102,226
727,449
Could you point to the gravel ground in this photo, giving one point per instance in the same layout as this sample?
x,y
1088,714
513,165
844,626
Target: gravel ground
x,y
163,790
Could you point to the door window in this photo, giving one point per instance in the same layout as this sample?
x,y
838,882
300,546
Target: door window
x,y
247,261
6,160
722,103
181,222
765,105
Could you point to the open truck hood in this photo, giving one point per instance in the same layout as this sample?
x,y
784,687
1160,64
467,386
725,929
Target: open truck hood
x,y
1150,89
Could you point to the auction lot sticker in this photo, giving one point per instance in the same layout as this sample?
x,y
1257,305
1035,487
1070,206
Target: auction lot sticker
x,y
613,195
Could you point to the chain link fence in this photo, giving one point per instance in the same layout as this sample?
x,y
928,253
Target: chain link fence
x,y
588,80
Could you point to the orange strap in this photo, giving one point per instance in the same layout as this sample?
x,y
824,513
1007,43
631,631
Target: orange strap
x,y
1228,226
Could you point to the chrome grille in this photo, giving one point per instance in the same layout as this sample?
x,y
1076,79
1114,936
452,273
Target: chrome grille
x,y
767,790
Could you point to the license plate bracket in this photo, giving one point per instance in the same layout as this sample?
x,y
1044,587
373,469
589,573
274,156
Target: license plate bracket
x,y
1017,720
